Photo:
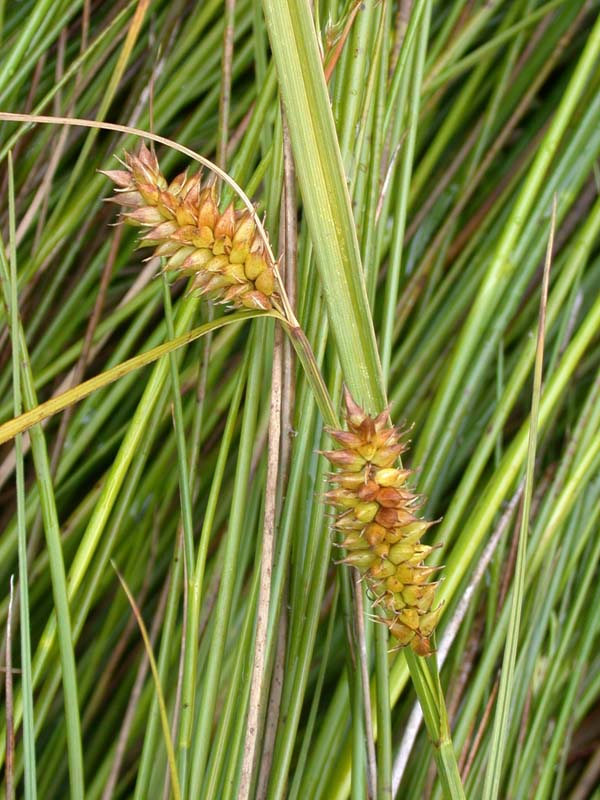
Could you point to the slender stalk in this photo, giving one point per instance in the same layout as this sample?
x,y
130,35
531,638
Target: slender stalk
x,y
384,726
8,688
363,659
182,462
257,685
26,678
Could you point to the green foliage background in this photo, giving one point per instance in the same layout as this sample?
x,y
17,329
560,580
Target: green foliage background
x,y
429,139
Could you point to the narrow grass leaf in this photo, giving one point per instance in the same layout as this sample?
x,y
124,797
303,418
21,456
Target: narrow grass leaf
x,y
158,688
493,776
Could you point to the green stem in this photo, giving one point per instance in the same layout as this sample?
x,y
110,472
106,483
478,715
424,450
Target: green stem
x,y
196,581
26,679
312,373
384,722
182,462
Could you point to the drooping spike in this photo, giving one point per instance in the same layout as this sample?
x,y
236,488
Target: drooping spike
x,y
223,253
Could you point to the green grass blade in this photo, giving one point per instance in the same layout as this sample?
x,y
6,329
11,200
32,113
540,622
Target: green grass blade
x,y
42,411
507,677
161,700
57,566
325,195
503,267
182,461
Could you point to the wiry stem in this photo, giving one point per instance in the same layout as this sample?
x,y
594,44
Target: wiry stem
x,y
287,246
359,616
266,568
225,98
8,686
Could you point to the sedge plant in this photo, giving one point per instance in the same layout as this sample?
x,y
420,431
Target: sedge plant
x,y
345,210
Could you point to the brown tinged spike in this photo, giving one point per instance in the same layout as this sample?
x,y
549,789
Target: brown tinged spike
x,y
223,253
380,527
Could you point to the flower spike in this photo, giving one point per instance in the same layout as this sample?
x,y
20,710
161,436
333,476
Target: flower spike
x,y
376,513
222,252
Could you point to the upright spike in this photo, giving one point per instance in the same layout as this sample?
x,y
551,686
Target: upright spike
x,y
382,532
